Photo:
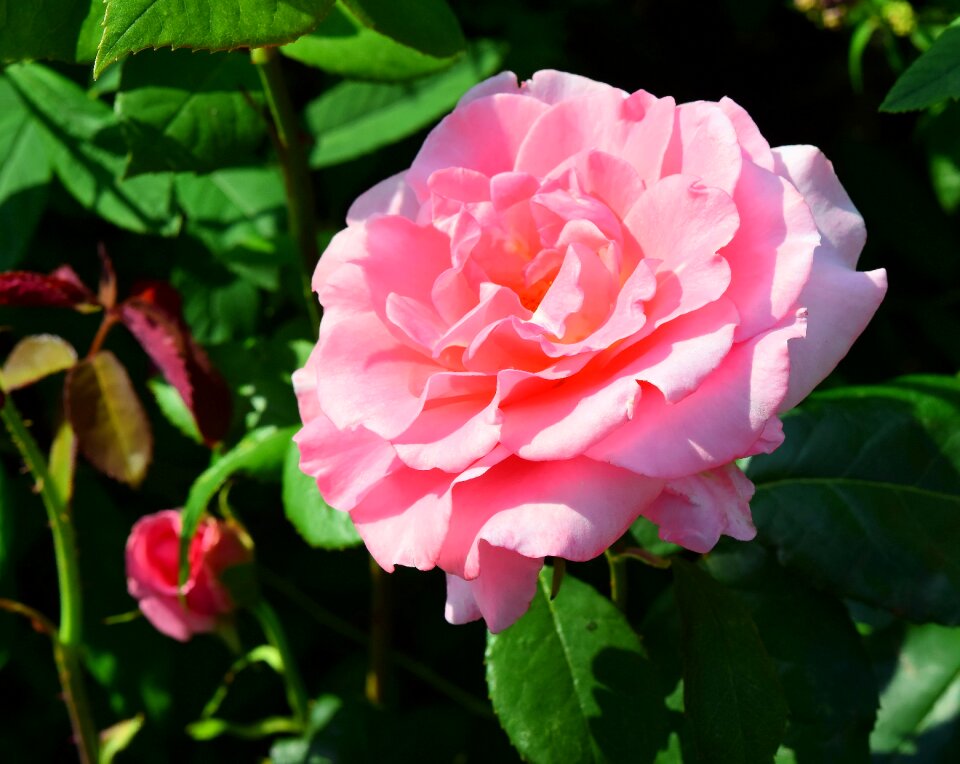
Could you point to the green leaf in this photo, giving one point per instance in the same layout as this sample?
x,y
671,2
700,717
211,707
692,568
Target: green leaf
x,y
426,25
208,729
184,112
343,45
133,25
24,175
868,482
239,214
82,139
818,654
112,430
646,535
320,524
932,78
63,461
570,681
36,357
171,405
355,118
259,454
118,737
731,694
63,30
924,691
940,132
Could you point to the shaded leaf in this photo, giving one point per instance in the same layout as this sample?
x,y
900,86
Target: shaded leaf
x,y
153,317
36,357
932,78
426,25
260,453
83,143
343,45
355,118
923,692
320,524
570,681
184,112
112,429
24,175
868,482
133,25
731,693
61,289
64,30
939,132
818,654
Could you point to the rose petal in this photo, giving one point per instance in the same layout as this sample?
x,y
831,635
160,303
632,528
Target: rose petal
x,y
752,143
392,196
704,145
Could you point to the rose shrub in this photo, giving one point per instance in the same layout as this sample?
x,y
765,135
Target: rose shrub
x,y
577,306
153,550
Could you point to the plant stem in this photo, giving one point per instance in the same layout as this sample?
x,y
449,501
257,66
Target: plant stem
x,y
296,171
109,319
347,630
379,634
618,579
296,691
68,640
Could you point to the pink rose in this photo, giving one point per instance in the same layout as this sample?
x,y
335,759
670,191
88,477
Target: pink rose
x,y
578,306
152,573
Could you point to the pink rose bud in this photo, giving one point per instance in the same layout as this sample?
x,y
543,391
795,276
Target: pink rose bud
x,y
578,306
153,573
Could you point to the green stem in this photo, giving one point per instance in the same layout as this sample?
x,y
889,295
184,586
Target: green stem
x,y
618,579
296,691
296,171
347,630
379,634
68,641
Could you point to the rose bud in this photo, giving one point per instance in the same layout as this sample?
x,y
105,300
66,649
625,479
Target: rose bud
x,y
203,602
579,305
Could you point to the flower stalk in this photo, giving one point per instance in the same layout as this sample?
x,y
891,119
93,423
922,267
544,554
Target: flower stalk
x,y
68,638
296,172
273,630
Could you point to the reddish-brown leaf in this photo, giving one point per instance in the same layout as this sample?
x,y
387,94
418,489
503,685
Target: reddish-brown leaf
x,y
107,292
61,289
110,424
153,317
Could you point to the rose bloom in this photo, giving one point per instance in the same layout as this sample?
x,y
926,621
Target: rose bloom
x,y
579,305
153,556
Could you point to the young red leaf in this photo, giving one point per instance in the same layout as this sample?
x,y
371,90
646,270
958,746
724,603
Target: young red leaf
x,y
36,357
60,289
111,427
107,291
153,316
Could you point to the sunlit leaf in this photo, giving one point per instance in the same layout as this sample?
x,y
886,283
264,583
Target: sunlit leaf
x,y
570,681
343,45
318,523
112,429
133,25
83,142
354,118
118,737
36,357
24,175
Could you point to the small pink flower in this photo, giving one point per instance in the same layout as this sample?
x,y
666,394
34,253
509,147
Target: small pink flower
x,y
578,305
153,566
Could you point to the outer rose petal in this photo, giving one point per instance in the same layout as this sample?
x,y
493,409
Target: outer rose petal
x,y
392,196
695,511
169,617
500,594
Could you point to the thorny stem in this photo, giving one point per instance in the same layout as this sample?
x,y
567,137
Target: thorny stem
x,y
68,638
296,171
273,630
